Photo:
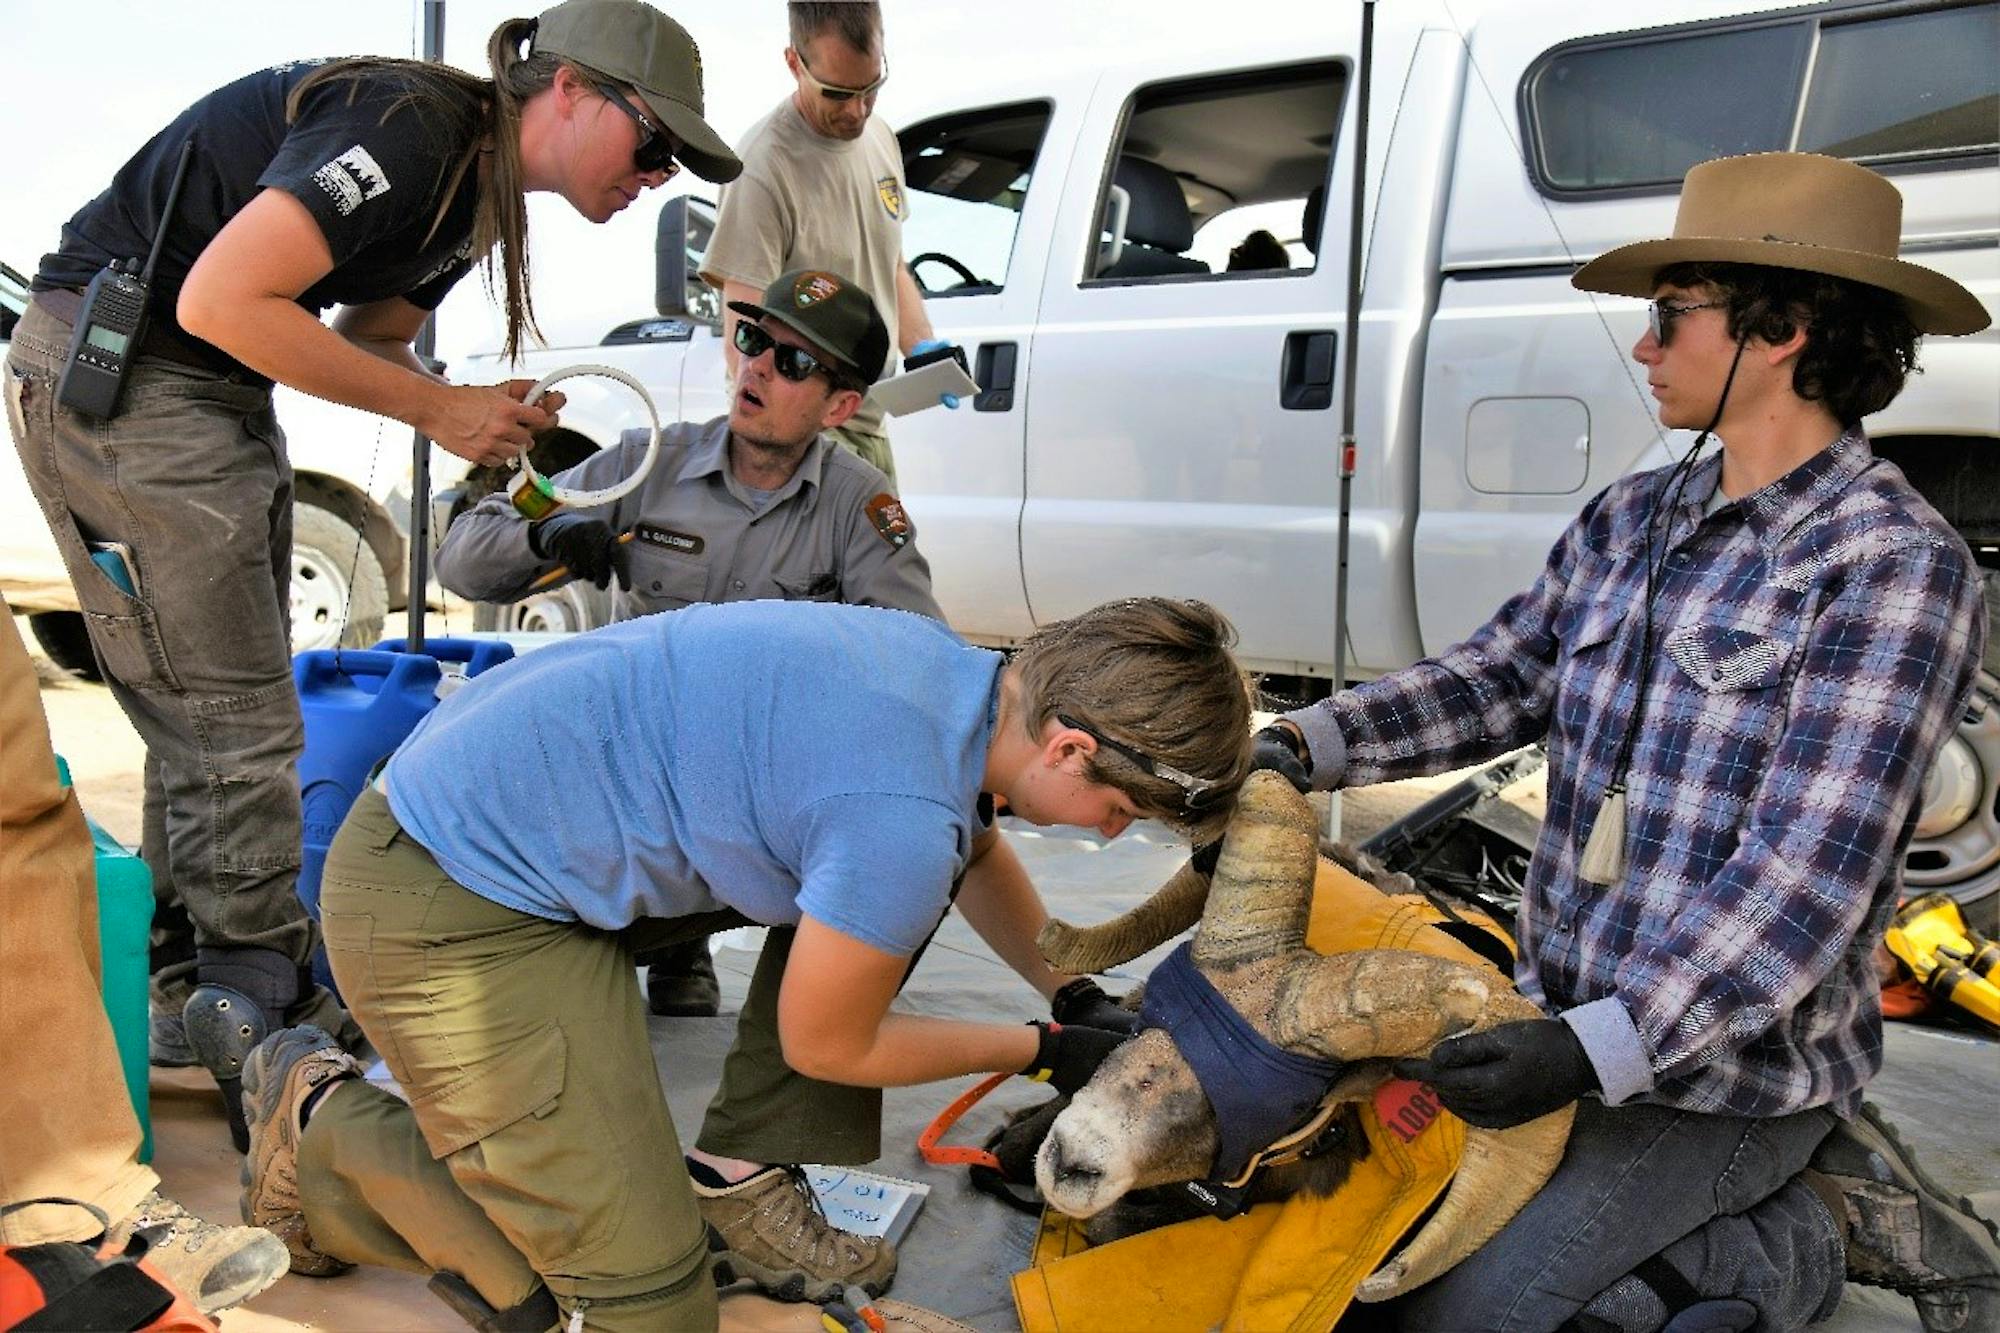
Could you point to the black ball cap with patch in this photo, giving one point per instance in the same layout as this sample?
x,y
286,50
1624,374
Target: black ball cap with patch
x,y
829,311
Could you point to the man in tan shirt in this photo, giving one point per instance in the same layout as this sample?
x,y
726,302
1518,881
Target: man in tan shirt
x,y
822,188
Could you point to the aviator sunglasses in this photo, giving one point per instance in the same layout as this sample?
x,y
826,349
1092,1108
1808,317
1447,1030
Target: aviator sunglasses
x,y
794,363
833,92
1196,793
1660,317
656,149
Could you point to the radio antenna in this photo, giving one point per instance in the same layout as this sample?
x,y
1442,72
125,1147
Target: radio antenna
x,y
173,198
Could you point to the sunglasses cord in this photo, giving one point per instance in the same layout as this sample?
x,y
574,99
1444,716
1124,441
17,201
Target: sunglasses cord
x,y
1603,859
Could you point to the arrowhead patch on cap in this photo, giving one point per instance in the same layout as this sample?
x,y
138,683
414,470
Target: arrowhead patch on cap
x,y
809,289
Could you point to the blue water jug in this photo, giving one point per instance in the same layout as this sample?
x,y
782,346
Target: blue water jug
x,y
358,707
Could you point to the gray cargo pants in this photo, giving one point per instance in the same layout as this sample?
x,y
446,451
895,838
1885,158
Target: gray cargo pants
x,y
192,477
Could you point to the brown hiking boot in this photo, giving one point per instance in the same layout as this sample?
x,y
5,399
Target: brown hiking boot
x,y
216,1267
1906,1233
278,1076
770,1230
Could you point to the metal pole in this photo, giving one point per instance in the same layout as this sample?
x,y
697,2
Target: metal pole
x,y
420,458
1353,347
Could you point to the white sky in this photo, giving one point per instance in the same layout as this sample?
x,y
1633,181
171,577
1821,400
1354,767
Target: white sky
x,y
88,81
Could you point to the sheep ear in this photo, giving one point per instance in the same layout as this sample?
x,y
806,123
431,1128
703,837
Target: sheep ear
x,y
1261,898
1097,948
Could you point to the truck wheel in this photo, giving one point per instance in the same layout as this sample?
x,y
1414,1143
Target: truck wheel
x,y
67,643
1956,849
339,596
572,608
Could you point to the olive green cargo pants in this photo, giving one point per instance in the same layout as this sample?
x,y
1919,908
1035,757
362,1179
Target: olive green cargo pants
x,y
536,1145
869,447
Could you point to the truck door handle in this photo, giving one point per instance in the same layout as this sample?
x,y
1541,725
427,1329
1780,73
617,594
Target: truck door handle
x,y
994,371
1305,374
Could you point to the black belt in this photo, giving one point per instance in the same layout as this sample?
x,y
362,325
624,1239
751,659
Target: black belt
x,y
163,341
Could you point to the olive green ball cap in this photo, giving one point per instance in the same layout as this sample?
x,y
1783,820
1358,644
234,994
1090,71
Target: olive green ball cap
x,y
829,311
634,43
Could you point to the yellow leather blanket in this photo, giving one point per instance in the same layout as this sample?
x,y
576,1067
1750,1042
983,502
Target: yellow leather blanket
x,y
1283,1266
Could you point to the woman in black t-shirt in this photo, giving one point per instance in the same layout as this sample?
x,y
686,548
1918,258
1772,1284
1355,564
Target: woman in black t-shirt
x,y
371,185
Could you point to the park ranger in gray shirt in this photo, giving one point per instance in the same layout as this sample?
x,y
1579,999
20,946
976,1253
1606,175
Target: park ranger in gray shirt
x,y
758,504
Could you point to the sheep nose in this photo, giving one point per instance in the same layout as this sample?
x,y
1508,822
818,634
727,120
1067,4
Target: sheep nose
x,y
1065,1170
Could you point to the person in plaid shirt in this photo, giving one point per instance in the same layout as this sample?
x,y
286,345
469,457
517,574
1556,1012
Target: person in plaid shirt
x,y
1741,666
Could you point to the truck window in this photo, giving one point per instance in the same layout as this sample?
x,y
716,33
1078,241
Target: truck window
x,y
1218,178
1910,86
1631,114
968,176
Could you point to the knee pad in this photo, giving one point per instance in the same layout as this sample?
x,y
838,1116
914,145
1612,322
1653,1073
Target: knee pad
x,y
223,1026
536,1313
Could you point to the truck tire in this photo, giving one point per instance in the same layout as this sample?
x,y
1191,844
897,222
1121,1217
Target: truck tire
x,y
1956,849
572,608
67,643
339,595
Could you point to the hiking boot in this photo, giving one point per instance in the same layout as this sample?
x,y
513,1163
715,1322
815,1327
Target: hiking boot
x,y
680,982
167,1040
1906,1234
770,1230
278,1076
216,1267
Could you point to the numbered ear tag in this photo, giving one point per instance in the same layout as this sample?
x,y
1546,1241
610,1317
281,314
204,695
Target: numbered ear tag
x,y
1407,1108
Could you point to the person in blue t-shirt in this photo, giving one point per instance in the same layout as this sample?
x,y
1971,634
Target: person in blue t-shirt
x,y
828,768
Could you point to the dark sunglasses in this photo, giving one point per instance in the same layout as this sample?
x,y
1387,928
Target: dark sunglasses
x,y
1660,317
656,149
833,92
1196,793
793,362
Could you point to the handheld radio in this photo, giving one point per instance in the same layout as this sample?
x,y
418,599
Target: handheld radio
x,y
112,322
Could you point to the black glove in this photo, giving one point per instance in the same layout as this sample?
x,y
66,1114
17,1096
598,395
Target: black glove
x,y
590,548
1277,749
1508,1075
1067,1057
1083,1003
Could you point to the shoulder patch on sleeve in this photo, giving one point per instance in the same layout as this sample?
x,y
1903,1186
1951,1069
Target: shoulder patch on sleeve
x,y
352,179
892,524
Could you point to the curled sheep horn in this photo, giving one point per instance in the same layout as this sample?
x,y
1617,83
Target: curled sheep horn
x,y
1367,1005
1171,910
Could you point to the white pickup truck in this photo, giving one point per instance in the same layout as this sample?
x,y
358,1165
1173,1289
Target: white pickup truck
x,y
1154,420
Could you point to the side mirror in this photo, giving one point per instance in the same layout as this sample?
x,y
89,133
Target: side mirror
x,y
686,225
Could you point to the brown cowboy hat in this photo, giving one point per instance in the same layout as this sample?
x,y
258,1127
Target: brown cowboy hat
x,y
1792,210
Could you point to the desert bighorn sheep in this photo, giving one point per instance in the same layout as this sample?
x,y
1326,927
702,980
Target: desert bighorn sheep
x,y
1144,1119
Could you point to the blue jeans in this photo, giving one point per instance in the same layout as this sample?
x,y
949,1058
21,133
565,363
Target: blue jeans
x,y
1714,1195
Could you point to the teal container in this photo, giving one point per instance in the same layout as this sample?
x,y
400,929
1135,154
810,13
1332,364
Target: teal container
x,y
124,933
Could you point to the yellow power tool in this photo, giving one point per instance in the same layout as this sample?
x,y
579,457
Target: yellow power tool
x,y
1955,963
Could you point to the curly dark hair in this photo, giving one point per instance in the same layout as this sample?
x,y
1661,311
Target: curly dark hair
x,y
1860,343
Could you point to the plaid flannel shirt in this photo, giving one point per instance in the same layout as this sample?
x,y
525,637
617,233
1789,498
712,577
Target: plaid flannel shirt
x,y
1814,645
